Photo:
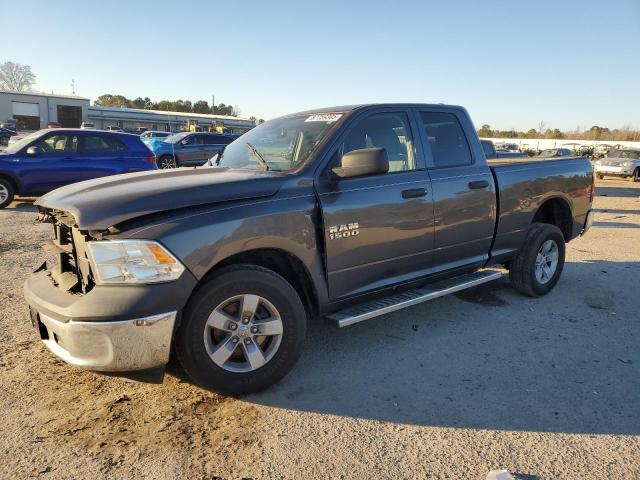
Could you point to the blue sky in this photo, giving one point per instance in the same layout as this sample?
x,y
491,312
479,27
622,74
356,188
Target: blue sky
x,y
512,64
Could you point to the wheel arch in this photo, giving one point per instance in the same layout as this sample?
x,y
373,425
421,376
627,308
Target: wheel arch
x,y
556,211
282,262
11,179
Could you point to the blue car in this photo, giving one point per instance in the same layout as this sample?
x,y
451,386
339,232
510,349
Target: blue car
x,y
188,148
52,158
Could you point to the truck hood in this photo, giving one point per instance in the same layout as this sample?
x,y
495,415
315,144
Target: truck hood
x,y
104,202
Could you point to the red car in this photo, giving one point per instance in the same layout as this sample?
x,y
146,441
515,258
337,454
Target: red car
x,y
53,125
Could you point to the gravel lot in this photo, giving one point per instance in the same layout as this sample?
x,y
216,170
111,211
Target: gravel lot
x,y
547,388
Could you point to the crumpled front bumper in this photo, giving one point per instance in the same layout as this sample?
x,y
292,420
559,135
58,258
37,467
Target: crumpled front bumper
x,y
119,328
127,345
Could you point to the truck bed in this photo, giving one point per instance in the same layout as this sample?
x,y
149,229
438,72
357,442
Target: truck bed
x,y
524,185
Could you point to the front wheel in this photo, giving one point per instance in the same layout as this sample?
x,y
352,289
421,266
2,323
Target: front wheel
x,y
242,330
600,177
6,192
537,266
636,175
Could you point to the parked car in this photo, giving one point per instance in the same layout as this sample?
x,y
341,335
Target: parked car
x,y
623,162
54,125
48,159
155,134
347,213
511,147
491,152
555,152
114,128
5,135
87,126
141,130
189,149
9,124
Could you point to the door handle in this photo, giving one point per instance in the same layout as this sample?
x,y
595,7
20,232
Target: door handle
x,y
414,193
478,184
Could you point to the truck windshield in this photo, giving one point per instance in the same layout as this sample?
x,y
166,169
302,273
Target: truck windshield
x,y
632,154
281,144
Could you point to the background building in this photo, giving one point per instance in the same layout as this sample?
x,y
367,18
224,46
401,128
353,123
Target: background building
x,y
33,111
132,118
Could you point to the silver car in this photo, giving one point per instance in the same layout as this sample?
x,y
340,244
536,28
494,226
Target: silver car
x,y
622,162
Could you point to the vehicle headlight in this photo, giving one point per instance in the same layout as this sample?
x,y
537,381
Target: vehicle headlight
x,y
597,162
132,261
625,164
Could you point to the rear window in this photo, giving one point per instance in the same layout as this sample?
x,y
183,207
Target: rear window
x,y
448,143
102,144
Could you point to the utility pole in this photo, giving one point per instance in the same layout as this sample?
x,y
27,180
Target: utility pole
x,y
73,87
213,102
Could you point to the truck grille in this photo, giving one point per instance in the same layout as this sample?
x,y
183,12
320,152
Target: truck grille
x,y
71,272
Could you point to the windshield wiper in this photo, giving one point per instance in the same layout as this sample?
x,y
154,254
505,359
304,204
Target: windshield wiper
x,y
261,160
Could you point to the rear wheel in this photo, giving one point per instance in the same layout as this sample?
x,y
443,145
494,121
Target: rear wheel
x,y
6,192
167,161
600,177
537,267
242,331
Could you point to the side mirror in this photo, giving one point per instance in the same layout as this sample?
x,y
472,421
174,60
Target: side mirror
x,y
366,161
34,151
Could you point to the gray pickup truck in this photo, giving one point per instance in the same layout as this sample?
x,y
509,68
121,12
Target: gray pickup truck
x,y
344,213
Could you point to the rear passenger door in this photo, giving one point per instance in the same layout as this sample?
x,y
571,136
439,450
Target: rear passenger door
x,y
464,197
192,151
101,155
215,144
378,229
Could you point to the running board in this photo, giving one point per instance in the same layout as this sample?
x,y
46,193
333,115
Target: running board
x,y
398,301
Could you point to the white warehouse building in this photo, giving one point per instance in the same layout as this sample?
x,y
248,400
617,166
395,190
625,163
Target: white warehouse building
x,y
34,110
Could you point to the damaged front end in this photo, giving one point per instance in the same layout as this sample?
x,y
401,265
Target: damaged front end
x,y
72,270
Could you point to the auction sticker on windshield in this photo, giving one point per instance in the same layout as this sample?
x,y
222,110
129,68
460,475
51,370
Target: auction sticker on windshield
x,y
323,117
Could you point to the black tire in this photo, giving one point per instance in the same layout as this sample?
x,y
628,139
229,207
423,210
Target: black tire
x,y
636,175
167,161
600,177
6,188
230,282
523,266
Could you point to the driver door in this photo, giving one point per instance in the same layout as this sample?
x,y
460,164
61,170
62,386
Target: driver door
x,y
378,229
54,166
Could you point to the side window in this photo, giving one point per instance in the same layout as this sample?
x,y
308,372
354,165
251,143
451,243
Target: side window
x,y
222,140
102,144
194,140
58,143
449,146
384,130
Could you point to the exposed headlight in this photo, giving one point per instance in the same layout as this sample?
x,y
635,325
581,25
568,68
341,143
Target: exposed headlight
x,y
625,164
132,261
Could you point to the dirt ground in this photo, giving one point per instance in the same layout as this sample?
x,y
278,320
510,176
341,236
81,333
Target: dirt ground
x,y
546,388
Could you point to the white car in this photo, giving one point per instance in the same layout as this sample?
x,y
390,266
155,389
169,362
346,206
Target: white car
x,y
622,162
87,126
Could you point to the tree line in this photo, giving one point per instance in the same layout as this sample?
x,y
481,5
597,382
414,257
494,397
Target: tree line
x,y
596,132
187,106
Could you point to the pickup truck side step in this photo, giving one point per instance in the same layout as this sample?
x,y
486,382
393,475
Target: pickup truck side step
x,y
397,301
